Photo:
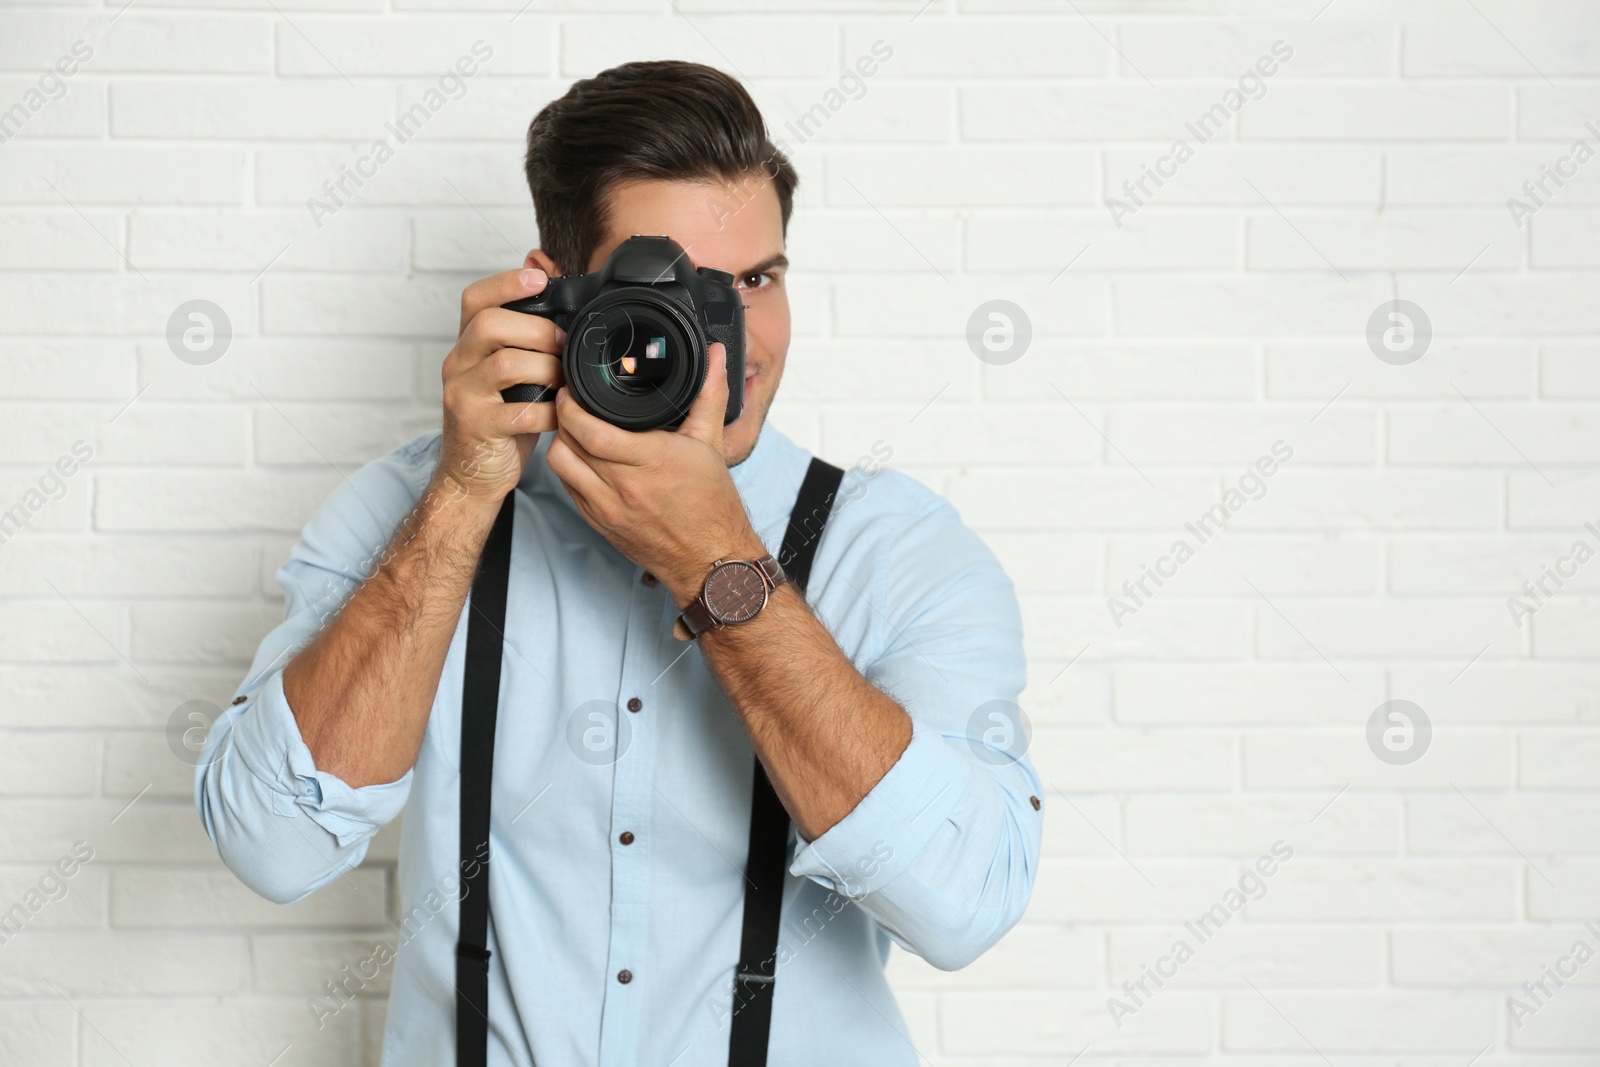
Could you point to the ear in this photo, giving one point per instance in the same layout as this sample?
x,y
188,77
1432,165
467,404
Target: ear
x,y
538,258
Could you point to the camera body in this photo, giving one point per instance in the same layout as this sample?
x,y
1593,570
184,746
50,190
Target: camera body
x,y
639,331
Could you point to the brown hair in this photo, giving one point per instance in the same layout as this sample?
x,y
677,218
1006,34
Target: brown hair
x,y
667,120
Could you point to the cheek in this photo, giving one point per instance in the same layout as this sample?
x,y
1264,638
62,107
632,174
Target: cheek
x,y
766,328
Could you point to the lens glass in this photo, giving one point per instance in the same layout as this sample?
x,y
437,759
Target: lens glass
x,y
636,359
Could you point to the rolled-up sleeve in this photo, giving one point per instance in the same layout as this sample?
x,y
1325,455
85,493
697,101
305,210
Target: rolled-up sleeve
x,y
942,852
282,825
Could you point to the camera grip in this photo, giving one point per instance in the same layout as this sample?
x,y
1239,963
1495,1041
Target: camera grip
x,y
529,394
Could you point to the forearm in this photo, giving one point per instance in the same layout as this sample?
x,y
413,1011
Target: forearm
x,y
362,689
825,734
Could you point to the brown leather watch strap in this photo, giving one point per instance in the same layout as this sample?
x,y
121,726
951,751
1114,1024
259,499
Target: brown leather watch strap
x,y
698,617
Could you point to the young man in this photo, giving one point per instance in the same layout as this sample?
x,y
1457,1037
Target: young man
x,y
619,837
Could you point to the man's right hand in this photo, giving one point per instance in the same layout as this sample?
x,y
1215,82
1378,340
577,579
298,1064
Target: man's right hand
x,y
486,440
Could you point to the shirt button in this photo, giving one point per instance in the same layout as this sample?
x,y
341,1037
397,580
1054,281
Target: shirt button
x,y
647,578
240,700
634,703
1035,802
627,837
624,976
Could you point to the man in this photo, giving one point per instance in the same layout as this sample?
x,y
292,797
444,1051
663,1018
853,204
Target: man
x,y
618,837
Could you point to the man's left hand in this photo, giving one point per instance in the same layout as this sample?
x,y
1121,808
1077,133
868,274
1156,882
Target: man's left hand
x,y
664,499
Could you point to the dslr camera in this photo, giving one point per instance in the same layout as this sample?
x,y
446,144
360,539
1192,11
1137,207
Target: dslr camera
x,y
639,331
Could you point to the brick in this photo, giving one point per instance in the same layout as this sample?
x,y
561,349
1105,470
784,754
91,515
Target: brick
x,y
140,501
51,696
1147,241
140,42
1390,891
950,433
1255,305
200,633
864,240
1306,761
1268,694
258,109
1482,958
41,1033
1166,629
940,308
1038,956
1558,759
1195,47
183,1034
169,899
1348,371
296,965
1488,824
430,47
100,965
47,765
1476,47
1091,111
972,48
1503,693
1400,111
1202,826
318,435
67,370
80,111
1101,761
770,48
1037,1023
1391,241
60,240
284,370
1217,173
1305,499
478,242
121,174
1450,175
260,241
1273,959
1274,565
938,177
1103,370
1372,1023
1569,370
1239,435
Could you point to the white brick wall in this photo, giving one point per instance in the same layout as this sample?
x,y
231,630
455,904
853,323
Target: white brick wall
x,y
1228,312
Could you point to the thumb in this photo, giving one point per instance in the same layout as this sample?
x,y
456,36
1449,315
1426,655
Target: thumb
x,y
711,406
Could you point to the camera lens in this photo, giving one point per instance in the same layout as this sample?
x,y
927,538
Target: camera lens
x,y
636,359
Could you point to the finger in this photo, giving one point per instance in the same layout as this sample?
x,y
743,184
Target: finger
x,y
710,408
512,366
495,328
499,289
568,461
511,419
599,438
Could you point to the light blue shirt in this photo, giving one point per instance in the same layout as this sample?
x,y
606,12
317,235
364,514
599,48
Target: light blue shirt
x,y
938,858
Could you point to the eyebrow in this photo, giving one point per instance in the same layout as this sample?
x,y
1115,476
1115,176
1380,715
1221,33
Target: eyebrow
x,y
779,260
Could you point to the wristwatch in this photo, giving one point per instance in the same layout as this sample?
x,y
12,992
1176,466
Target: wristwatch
x,y
735,592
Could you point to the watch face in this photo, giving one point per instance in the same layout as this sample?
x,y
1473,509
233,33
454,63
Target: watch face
x,y
736,592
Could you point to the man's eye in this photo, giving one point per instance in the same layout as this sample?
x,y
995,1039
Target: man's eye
x,y
755,281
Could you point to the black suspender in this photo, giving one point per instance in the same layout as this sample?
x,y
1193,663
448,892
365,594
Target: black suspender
x,y
768,862
480,706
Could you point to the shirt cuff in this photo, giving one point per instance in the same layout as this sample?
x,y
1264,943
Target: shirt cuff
x,y
269,744
893,823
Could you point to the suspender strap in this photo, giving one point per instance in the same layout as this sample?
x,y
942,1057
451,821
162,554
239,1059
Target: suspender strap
x,y
480,704
768,861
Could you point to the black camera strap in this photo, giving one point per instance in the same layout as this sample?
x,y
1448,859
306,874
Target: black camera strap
x,y
756,976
